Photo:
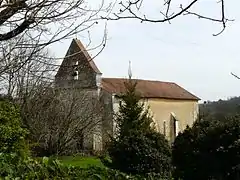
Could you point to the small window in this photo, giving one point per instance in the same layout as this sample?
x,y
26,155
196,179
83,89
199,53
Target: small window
x,y
75,71
75,75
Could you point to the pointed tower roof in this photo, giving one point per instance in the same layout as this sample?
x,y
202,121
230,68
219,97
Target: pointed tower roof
x,y
76,49
85,52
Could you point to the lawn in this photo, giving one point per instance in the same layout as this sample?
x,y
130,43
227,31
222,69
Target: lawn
x,y
80,161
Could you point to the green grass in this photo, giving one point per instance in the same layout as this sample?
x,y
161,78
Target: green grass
x,y
80,161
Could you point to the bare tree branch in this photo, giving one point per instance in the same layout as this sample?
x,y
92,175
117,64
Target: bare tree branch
x,y
57,118
236,76
55,19
131,9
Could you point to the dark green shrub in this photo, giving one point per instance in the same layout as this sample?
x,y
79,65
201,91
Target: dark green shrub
x,y
103,173
208,150
141,153
138,148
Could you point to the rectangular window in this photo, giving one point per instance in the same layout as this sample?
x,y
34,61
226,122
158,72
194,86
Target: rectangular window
x,y
164,128
175,126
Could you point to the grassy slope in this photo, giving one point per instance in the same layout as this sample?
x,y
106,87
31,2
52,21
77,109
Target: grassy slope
x,y
80,161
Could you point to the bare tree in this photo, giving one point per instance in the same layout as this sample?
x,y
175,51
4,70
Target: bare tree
x,y
28,26
169,10
21,69
63,121
54,19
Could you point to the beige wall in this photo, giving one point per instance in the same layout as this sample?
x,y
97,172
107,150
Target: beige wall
x,y
185,111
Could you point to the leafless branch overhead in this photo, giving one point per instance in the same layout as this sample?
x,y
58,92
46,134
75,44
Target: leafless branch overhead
x,y
236,76
54,19
133,9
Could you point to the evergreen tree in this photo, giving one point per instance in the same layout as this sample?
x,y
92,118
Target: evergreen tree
x,y
132,115
137,148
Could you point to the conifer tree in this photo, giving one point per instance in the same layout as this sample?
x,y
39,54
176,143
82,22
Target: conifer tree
x,y
137,148
132,115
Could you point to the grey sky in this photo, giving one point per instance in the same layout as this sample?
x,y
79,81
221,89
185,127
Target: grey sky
x,y
184,51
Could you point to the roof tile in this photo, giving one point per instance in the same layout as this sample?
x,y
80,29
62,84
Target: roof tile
x,y
149,89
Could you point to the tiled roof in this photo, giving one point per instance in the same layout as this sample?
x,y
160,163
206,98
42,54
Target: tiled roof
x,y
149,89
90,60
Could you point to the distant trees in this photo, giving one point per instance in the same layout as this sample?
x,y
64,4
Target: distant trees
x,y
221,108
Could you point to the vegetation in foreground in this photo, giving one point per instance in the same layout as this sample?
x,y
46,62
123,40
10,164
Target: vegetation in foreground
x,y
208,150
16,163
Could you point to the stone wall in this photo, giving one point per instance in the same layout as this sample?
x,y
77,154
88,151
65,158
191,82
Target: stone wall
x,y
65,75
108,116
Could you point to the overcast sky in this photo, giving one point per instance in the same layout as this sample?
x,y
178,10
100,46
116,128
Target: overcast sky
x,y
184,52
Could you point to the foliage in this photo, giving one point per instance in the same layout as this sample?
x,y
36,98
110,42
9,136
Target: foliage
x,y
104,173
208,150
11,133
138,148
49,168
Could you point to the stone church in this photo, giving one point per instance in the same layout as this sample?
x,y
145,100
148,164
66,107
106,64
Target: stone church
x,y
172,107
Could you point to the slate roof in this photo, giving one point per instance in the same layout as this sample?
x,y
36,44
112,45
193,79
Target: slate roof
x,y
149,89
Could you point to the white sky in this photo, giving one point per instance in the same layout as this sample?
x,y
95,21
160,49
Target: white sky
x,y
184,51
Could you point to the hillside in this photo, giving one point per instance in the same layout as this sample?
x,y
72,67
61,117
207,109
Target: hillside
x,y
220,108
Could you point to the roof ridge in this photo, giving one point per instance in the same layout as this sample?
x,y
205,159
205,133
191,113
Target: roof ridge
x,y
140,80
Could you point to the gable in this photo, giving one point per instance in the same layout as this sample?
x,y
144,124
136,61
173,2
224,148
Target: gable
x,y
77,68
76,53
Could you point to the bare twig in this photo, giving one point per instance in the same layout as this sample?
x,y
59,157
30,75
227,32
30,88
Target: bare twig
x,y
131,10
236,76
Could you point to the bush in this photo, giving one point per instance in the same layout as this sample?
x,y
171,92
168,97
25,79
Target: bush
x,y
138,148
208,150
49,168
11,133
141,154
